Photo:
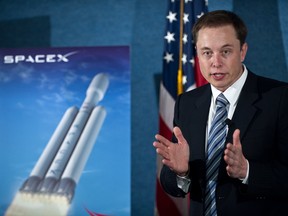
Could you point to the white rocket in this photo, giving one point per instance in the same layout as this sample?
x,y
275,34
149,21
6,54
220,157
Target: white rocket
x,y
60,165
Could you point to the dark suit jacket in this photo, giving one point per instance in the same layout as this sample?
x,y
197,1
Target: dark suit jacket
x,y
262,117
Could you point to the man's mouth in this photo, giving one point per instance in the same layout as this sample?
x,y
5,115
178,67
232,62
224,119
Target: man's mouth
x,y
217,76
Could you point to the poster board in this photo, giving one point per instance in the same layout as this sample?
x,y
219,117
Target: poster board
x,y
37,87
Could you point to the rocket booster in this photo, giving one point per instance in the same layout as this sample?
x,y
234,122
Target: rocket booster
x,y
50,151
75,166
66,153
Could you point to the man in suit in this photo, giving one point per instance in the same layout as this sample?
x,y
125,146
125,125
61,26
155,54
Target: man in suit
x,y
252,175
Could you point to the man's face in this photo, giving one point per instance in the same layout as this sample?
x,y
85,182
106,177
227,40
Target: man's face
x,y
220,56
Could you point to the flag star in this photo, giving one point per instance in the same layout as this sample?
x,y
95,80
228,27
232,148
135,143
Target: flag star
x,y
186,1
168,57
184,58
185,38
198,16
184,79
192,61
185,18
169,37
171,17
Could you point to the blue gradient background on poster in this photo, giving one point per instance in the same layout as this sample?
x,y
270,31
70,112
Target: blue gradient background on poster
x,y
34,97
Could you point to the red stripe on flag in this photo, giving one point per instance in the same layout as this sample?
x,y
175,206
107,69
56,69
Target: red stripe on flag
x,y
164,130
165,205
199,79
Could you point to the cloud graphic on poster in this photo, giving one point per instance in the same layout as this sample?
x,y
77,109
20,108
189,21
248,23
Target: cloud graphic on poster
x,y
87,171
70,77
21,72
124,98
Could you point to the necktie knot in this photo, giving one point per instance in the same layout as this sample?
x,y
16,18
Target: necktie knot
x,y
221,100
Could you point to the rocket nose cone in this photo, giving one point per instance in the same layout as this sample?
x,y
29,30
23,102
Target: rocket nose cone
x,y
99,85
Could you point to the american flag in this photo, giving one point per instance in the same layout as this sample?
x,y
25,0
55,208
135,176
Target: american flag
x,y
180,73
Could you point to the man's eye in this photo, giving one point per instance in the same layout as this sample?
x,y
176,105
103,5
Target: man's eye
x,y
226,52
207,53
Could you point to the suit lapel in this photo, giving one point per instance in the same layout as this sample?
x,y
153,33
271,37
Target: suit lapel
x,y
202,105
245,110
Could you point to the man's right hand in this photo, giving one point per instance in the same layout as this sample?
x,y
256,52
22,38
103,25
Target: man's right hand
x,y
175,155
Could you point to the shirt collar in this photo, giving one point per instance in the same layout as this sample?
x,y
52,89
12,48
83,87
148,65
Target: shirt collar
x,y
233,92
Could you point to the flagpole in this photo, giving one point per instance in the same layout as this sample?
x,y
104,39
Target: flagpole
x,y
180,71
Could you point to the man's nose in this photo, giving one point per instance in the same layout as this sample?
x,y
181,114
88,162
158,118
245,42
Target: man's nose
x,y
216,60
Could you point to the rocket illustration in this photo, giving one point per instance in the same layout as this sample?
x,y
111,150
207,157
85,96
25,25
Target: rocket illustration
x,y
61,163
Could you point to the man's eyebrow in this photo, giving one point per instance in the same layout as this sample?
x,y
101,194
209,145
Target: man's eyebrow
x,y
227,45
224,46
205,48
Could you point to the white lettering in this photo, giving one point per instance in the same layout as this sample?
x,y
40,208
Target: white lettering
x,y
40,58
30,59
50,58
8,59
19,58
62,58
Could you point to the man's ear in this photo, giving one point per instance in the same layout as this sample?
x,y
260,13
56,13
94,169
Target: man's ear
x,y
244,49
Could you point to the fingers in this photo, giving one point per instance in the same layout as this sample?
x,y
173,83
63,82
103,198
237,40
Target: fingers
x,y
162,140
234,158
236,137
162,146
229,154
233,149
179,135
175,155
161,149
231,160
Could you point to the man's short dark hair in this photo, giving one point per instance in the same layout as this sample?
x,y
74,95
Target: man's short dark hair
x,y
221,18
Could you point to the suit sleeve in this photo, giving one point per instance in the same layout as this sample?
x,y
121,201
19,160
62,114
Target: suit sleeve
x,y
169,182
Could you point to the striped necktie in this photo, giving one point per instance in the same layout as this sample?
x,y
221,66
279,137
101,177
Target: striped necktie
x,y
215,144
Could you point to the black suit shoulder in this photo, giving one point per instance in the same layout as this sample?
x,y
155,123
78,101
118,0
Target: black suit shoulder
x,y
264,83
197,91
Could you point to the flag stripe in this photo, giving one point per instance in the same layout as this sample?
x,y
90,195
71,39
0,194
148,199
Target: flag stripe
x,y
166,205
166,107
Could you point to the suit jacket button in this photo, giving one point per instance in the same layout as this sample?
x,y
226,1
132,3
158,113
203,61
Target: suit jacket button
x,y
220,197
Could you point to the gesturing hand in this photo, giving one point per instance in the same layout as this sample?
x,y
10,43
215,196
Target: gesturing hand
x,y
175,155
233,156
